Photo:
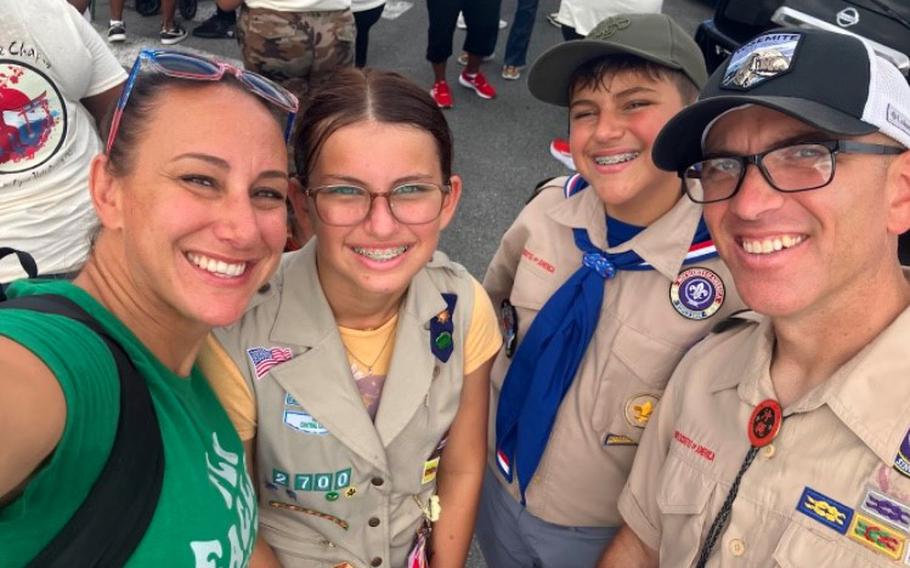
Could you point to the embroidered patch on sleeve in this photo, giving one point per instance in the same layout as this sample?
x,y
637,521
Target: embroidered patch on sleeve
x,y
825,510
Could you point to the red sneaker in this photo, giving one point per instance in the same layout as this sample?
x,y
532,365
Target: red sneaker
x,y
442,94
559,149
479,83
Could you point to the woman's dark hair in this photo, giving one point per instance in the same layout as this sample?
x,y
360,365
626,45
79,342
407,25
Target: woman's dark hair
x,y
149,91
355,95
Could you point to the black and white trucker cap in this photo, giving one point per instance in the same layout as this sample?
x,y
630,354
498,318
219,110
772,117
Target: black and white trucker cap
x,y
830,80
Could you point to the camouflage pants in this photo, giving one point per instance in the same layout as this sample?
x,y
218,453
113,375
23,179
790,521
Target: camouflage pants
x,y
299,50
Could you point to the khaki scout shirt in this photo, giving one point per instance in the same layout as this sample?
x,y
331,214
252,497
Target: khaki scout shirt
x,y
823,493
335,487
640,337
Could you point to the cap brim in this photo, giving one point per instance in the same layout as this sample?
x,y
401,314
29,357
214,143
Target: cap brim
x,y
548,79
678,145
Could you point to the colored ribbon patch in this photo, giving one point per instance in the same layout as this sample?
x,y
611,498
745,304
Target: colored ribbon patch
x,y
877,536
825,510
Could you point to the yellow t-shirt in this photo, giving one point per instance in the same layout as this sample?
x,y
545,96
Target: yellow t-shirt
x,y
371,348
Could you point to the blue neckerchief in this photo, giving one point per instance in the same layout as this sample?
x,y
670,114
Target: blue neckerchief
x,y
619,232
549,355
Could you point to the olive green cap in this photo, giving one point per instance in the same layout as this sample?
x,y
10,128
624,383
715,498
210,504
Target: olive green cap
x,y
654,37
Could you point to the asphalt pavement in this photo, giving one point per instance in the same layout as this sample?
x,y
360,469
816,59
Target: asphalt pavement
x,y
501,145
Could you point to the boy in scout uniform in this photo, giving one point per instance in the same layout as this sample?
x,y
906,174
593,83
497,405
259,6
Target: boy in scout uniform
x,y
604,281
782,439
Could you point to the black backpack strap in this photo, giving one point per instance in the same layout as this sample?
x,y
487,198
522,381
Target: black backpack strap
x,y
25,260
106,528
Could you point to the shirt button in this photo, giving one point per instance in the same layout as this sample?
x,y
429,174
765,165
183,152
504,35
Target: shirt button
x,y
377,481
373,522
737,547
769,451
376,561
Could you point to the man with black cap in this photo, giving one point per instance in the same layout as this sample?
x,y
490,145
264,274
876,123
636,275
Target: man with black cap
x,y
604,281
782,439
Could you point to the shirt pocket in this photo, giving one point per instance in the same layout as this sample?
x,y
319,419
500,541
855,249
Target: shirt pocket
x,y
631,383
682,499
800,546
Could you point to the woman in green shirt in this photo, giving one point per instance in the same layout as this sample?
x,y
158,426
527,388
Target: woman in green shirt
x,y
190,194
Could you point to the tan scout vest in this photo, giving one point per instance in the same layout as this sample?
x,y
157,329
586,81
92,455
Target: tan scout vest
x,y
640,337
827,491
333,486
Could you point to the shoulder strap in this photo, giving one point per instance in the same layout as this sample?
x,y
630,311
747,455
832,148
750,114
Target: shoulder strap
x,y
108,525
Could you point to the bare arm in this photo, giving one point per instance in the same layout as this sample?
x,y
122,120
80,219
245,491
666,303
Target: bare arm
x,y
263,555
628,551
461,472
97,105
228,5
32,416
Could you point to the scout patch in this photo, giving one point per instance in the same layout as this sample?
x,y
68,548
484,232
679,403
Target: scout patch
x,y
302,421
639,409
508,321
331,496
765,57
764,424
441,329
290,400
825,510
877,536
902,459
264,358
350,491
886,509
429,470
307,511
323,481
697,293
619,440
280,477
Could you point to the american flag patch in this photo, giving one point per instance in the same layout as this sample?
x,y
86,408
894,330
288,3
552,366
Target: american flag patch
x,y
264,358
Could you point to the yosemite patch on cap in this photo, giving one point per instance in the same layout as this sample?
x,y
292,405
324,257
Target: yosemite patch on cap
x,y
765,57
697,293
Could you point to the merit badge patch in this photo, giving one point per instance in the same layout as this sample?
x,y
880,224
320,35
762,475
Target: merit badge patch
x,y
902,459
765,57
877,536
264,358
886,509
639,408
619,440
301,421
697,293
825,510
442,328
430,467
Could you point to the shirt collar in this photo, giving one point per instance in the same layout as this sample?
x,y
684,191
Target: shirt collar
x,y
664,243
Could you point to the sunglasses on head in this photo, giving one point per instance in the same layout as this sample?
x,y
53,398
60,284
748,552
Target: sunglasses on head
x,y
181,65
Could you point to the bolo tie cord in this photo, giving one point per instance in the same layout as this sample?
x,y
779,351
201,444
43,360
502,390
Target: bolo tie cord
x,y
720,521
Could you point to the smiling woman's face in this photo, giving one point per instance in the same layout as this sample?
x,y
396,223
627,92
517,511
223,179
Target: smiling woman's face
x,y
202,215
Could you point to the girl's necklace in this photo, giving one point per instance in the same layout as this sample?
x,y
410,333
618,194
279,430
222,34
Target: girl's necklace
x,y
369,367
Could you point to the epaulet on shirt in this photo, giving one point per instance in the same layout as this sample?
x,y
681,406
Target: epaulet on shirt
x,y
734,320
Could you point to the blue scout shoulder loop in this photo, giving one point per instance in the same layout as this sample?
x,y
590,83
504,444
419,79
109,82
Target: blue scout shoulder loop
x,y
442,340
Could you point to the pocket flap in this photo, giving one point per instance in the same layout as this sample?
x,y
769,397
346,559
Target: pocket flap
x,y
683,490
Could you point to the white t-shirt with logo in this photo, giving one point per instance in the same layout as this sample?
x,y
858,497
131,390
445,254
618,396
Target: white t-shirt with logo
x,y
300,5
50,59
584,15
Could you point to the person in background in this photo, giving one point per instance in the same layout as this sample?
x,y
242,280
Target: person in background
x,y
296,43
782,439
220,25
192,222
366,13
519,39
481,18
359,378
53,97
603,282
